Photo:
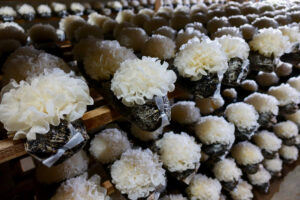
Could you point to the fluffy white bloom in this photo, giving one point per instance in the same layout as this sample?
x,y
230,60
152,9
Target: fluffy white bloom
x,y
230,93
285,94
260,177
42,33
146,11
43,8
270,42
213,129
179,152
267,140
295,82
242,115
31,107
103,58
115,4
87,31
124,16
287,129
7,11
70,24
197,59
226,170
11,24
145,135
185,112
58,7
289,152
204,188
249,85
166,31
27,62
138,80
243,191
138,173
81,188
11,30
295,117
234,46
273,165
246,153
77,7
133,38
97,19
183,36
263,103
292,32
159,46
73,166
174,197
109,144
26,9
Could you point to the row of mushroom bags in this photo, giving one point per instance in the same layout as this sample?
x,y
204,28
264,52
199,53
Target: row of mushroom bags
x,y
230,124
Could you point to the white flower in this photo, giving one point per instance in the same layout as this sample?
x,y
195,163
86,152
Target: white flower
x,y
138,173
31,107
196,59
270,42
138,80
234,47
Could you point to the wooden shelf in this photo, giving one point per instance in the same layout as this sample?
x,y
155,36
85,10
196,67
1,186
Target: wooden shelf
x,y
93,120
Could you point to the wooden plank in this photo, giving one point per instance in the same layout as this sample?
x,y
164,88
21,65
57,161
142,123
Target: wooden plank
x,y
99,117
10,149
93,120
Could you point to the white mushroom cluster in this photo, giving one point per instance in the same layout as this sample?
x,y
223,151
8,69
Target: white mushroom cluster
x,y
31,106
138,173
263,103
196,59
267,140
292,32
26,9
204,188
270,42
179,152
243,191
246,153
286,129
103,58
273,165
109,144
285,94
185,112
138,80
242,115
234,47
213,129
81,188
7,11
289,152
226,170
260,177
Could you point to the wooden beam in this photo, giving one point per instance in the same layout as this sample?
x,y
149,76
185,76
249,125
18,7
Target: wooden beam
x,y
10,149
99,117
93,120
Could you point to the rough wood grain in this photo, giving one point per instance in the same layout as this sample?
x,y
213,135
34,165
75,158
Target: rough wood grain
x,y
10,149
98,117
